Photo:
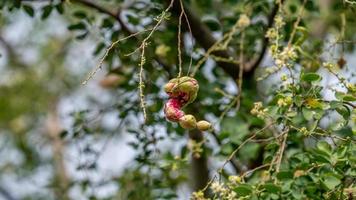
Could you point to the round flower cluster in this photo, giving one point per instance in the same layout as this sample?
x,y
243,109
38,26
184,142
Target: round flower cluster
x,y
243,21
183,91
258,110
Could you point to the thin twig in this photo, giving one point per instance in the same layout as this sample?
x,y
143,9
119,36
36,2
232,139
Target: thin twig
x,y
301,11
191,35
99,66
268,139
255,169
241,71
142,62
281,151
179,41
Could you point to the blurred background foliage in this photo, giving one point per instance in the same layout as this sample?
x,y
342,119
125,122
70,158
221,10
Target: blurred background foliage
x,y
64,140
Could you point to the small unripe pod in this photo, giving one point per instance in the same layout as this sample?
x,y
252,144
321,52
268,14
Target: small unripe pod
x,y
203,125
188,122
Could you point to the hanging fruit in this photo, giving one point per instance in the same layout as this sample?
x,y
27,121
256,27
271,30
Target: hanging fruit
x,y
183,91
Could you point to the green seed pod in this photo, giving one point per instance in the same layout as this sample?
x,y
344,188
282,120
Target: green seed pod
x,y
188,86
168,87
203,125
188,122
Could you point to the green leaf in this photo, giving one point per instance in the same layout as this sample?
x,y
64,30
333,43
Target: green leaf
x,y
344,112
285,175
212,23
272,188
59,7
63,134
16,3
324,147
298,100
335,104
46,11
82,36
339,95
341,152
349,98
80,14
307,113
243,190
272,145
304,35
78,26
292,8
311,77
107,23
226,149
338,125
133,20
330,181
321,158
29,10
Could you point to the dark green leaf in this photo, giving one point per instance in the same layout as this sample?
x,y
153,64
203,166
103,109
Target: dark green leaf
x,y
82,36
29,10
80,14
59,7
285,175
46,11
272,188
107,23
344,112
63,134
243,190
79,26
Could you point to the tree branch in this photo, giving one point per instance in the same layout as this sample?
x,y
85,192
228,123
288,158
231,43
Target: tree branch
x,y
101,9
124,27
199,166
116,16
205,38
250,67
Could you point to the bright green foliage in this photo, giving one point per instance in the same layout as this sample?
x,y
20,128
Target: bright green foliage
x,y
283,127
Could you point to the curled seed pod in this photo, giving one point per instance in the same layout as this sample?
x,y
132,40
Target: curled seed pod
x,y
203,125
184,88
188,122
172,110
181,91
